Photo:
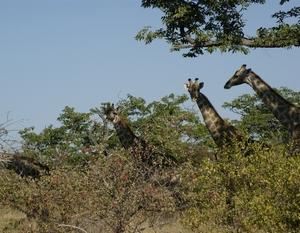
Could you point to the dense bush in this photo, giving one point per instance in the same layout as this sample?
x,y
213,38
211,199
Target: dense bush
x,y
108,195
257,193
97,186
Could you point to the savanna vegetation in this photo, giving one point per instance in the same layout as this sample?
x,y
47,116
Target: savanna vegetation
x,y
95,185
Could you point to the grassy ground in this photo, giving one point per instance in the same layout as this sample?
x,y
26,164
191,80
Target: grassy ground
x,y
169,228
10,218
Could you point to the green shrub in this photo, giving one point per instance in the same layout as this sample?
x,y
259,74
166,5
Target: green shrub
x,y
256,193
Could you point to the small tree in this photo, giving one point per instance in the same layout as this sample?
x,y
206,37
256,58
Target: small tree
x,y
75,140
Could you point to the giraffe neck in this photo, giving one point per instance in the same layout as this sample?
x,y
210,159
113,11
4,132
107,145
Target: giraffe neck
x,y
125,134
211,118
138,146
287,113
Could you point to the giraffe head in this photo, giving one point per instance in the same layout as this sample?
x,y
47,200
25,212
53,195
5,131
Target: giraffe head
x,y
111,113
240,76
194,88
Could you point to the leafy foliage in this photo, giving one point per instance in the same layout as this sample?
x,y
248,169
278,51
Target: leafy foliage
x,y
207,26
74,140
98,186
257,193
164,124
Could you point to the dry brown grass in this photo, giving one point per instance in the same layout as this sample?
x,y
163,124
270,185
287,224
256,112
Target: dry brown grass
x,y
9,218
11,221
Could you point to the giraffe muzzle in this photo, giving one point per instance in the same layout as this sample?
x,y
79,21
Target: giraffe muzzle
x,y
227,85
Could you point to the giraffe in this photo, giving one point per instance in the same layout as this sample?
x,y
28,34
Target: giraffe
x,y
136,145
287,113
125,134
221,132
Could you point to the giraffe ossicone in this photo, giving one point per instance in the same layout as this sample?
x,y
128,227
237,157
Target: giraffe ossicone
x,y
194,88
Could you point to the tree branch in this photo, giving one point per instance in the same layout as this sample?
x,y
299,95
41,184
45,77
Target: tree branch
x,y
251,43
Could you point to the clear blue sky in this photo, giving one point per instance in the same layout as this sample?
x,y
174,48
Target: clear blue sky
x,y
80,53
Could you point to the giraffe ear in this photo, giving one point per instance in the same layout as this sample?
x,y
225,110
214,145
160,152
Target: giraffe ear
x,y
249,70
201,85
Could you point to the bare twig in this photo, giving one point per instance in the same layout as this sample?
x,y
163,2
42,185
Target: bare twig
x,y
74,227
7,143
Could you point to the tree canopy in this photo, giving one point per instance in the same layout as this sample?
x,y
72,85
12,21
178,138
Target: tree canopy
x,y
199,26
